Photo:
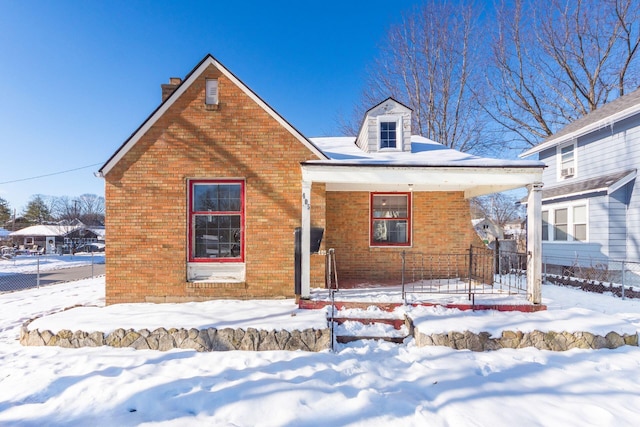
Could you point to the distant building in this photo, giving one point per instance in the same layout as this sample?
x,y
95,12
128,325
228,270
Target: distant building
x,y
487,230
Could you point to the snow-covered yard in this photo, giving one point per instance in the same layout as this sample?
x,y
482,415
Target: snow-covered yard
x,y
31,263
366,383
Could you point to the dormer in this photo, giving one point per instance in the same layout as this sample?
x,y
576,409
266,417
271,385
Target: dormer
x,y
386,127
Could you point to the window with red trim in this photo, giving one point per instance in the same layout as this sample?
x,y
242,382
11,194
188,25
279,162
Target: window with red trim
x,y
390,219
216,221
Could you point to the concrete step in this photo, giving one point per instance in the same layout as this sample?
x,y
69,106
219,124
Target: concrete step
x,y
344,339
396,323
370,332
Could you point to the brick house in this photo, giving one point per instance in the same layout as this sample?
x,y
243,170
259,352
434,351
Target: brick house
x,y
203,199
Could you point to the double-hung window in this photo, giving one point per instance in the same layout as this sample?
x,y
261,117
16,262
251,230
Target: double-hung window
x,y
567,161
390,220
565,224
216,221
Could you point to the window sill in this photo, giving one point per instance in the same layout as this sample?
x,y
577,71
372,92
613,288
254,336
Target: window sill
x,y
211,107
216,273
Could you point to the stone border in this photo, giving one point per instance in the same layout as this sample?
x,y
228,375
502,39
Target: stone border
x,y
554,341
162,339
251,339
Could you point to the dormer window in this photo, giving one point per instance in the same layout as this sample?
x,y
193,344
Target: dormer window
x,y
386,127
390,132
388,136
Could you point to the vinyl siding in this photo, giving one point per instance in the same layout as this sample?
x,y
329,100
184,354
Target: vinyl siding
x,y
614,220
618,224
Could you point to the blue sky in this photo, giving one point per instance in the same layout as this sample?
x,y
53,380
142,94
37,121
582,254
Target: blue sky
x,y
77,78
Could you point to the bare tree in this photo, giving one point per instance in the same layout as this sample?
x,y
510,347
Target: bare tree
x,y
92,208
67,209
500,208
556,63
429,63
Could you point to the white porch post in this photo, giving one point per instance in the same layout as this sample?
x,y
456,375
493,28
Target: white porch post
x,y
305,239
534,243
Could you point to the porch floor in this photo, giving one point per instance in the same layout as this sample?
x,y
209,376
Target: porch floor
x,y
388,297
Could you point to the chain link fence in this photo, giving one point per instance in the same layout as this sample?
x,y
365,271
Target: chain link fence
x,y
600,275
22,272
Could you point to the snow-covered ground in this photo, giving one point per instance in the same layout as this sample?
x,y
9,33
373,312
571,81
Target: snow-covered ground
x,y
362,383
31,263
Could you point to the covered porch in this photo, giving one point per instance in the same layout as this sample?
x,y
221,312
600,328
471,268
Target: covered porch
x,y
421,181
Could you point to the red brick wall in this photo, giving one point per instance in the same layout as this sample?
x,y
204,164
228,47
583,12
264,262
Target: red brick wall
x,y
441,224
146,199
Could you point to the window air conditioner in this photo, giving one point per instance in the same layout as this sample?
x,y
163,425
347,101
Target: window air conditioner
x,y
567,172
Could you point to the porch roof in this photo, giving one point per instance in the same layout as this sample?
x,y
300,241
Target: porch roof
x,y
429,166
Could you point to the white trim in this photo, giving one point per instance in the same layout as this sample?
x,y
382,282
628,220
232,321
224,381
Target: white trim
x,y
390,118
534,244
600,124
209,60
621,182
559,176
551,209
473,181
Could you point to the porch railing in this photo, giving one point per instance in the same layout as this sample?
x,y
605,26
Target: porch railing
x,y
478,271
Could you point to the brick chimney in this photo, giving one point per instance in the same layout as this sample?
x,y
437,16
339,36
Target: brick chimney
x,y
168,88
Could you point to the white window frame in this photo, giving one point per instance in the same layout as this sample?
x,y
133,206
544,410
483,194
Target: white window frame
x,y
397,119
551,209
559,163
211,92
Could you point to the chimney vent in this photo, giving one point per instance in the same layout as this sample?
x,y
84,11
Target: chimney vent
x,y
169,88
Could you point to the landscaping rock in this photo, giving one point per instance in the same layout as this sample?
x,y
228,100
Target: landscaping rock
x,y
550,340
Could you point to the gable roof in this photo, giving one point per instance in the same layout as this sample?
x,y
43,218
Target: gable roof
x,y
188,81
388,99
608,114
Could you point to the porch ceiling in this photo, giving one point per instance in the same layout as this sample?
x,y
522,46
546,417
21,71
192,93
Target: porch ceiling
x,y
473,181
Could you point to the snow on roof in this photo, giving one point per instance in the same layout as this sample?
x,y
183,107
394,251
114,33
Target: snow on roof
x,y
98,231
46,230
424,152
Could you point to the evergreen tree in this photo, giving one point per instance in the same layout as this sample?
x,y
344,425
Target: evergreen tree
x,y
37,211
5,211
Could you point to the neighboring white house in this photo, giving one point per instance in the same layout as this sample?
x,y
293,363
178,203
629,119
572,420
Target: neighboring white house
x,y
488,230
590,207
49,238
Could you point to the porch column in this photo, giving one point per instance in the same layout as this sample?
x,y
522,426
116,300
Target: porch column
x,y
534,243
305,240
